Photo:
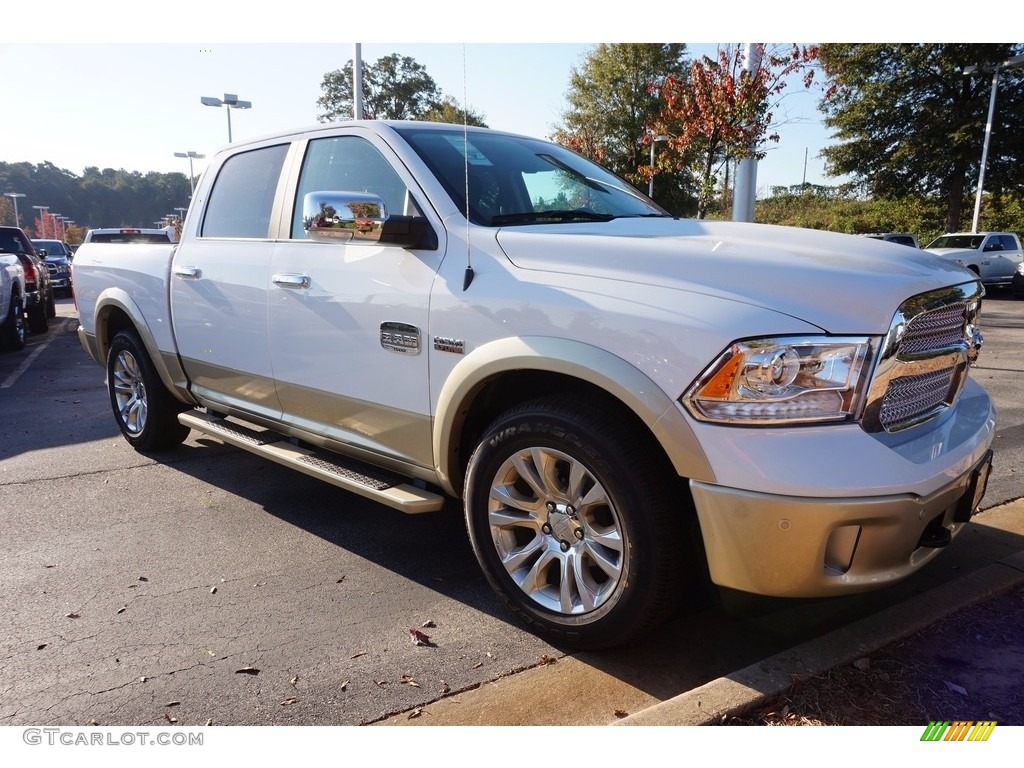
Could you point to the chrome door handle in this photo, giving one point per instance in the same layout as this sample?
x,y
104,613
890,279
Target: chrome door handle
x,y
292,280
192,272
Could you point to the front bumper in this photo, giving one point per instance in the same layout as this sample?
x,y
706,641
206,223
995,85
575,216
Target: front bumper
x,y
841,511
793,547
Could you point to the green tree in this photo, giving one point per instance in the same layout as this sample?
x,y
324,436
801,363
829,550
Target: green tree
x,y
908,122
613,99
447,110
394,88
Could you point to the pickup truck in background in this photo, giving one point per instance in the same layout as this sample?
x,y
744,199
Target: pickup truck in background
x,y
12,302
993,256
628,405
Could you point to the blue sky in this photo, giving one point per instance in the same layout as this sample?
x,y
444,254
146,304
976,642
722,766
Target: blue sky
x,y
118,84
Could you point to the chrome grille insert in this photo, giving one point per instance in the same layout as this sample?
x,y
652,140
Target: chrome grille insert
x,y
924,358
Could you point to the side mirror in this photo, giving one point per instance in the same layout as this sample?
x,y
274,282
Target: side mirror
x,y
358,217
41,252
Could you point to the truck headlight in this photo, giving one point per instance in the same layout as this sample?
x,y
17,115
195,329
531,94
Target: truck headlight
x,y
782,381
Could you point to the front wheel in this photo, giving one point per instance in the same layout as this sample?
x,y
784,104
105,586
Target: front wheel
x,y
146,413
573,521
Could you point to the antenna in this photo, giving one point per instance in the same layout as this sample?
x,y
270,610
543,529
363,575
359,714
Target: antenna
x,y
468,278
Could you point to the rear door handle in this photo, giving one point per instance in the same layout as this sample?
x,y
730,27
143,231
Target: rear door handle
x,y
291,280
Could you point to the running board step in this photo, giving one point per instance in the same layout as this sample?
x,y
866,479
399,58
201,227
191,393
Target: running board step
x,y
353,475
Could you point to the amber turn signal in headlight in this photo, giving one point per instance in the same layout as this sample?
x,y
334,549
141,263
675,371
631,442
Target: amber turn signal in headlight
x,y
781,381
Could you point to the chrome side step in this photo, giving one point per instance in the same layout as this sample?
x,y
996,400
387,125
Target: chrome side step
x,y
352,475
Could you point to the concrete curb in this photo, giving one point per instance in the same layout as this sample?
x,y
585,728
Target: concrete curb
x,y
746,688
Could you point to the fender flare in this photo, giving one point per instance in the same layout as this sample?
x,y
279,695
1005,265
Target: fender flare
x,y
616,376
167,365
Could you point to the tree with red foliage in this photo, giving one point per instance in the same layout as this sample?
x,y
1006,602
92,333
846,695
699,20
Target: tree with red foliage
x,y
723,113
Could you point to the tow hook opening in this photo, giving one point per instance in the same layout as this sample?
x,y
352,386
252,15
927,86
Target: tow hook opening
x,y
936,535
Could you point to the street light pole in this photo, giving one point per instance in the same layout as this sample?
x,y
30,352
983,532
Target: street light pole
x,y
14,196
230,100
1011,63
190,155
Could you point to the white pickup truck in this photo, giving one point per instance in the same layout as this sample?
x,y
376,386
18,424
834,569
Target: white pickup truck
x,y
992,256
628,404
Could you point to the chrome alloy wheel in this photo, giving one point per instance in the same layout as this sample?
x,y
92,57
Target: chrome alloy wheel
x,y
556,531
130,392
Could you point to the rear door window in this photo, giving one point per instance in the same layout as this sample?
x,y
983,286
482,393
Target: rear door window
x,y
242,198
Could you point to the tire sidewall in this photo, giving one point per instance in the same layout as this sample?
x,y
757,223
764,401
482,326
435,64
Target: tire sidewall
x,y
627,606
13,330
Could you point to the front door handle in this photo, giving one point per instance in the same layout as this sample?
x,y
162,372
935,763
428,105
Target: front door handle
x,y
191,272
290,280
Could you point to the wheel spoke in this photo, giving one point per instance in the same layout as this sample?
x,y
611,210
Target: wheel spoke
x,y
516,559
507,496
528,464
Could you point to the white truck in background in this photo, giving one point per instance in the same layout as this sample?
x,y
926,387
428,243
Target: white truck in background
x,y
627,404
993,256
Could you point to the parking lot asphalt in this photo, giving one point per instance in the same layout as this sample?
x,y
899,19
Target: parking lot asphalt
x,y
519,699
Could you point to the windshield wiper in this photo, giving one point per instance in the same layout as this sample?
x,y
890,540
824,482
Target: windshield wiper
x,y
577,214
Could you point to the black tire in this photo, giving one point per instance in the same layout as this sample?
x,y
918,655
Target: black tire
x,y
619,528
146,413
12,329
37,321
51,304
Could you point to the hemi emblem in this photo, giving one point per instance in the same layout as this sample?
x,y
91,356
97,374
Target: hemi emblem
x,y
445,344
400,337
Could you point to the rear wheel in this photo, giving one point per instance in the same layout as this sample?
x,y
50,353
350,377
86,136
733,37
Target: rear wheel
x,y
574,523
12,329
146,413
51,304
37,321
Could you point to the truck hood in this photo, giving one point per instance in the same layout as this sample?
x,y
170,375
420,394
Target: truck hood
x,y
840,283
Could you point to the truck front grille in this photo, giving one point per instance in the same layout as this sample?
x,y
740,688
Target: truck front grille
x,y
924,358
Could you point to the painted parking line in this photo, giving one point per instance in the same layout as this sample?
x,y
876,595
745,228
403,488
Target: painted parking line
x,y
17,372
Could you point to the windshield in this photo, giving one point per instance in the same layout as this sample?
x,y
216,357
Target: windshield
x,y
54,248
517,180
957,241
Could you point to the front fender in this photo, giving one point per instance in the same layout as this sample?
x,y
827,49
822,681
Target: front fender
x,y
630,386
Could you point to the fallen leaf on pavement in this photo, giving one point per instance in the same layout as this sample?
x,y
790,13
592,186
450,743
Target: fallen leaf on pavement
x,y
419,638
170,718
545,659
247,671
294,680
407,680
621,713
415,713
428,624
72,615
288,701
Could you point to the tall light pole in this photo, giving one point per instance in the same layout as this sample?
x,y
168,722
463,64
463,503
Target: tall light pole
x,y
14,196
357,83
190,155
1011,63
650,184
42,218
56,219
230,101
